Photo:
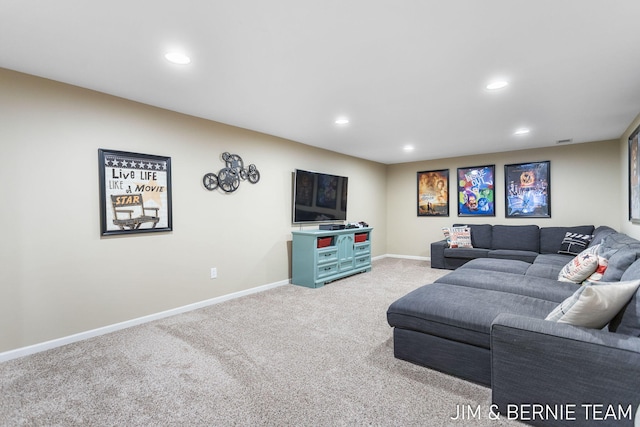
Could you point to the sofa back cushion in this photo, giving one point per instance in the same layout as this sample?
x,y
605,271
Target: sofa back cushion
x,y
627,322
632,272
516,237
551,237
480,235
600,233
621,251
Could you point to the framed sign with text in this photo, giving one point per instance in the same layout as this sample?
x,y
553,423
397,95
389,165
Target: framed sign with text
x,y
135,193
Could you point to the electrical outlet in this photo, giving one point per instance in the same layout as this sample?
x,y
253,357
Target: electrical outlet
x,y
214,272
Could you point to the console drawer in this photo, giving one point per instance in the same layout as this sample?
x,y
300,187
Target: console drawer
x,y
329,255
325,270
362,248
363,260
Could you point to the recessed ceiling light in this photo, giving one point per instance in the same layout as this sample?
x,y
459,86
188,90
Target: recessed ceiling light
x,y
522,131
408,148
498,84
342,121
177,58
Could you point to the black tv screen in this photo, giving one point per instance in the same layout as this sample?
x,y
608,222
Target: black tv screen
x,y
319,197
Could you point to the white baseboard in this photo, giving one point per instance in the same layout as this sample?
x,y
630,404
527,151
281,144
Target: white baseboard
x,y
417,258
47,345
59,342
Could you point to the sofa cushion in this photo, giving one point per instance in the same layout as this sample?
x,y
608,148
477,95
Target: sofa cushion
x,y
618,263
496,264
546,271
632,272
621,251
551,237
594,305
600,233
466,253
627,322
558,260
516,237
526,256
515,283
460,313
480,235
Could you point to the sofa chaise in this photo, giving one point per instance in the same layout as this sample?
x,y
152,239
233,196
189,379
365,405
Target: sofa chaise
x,y
485,322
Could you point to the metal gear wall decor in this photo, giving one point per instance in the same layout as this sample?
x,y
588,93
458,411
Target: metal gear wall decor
x,y
228,178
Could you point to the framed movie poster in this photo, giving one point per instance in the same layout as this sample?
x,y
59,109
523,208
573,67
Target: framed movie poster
x,y
135,193
433,193
634,176
476,191
528,190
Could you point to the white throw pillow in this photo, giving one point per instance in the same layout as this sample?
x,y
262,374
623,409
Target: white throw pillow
x,y
595,304
458,237
461,236
447,235
597,275
580,267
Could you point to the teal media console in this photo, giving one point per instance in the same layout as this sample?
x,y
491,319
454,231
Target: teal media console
x,y
321,256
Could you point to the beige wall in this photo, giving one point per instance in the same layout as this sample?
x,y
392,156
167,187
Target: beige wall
x,y
59,277
585,189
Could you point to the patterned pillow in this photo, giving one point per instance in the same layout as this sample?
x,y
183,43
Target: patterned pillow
x,y
594,305
574,243
458,237
447,235
580,267
462,236
603,263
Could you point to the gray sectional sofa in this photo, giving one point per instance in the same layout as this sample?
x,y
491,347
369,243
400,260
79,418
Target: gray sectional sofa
x,y
519,242
485,322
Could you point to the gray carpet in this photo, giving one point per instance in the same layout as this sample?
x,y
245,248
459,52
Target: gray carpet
x,y
290,356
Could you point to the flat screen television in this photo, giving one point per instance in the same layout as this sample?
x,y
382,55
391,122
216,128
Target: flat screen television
x,y
319,197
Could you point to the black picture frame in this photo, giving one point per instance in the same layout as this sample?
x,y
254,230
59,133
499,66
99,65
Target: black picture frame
x,y
527,189
634,176
135,193
433,193
476,191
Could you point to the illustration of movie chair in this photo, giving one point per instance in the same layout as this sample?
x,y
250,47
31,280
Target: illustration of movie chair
x,y
124,208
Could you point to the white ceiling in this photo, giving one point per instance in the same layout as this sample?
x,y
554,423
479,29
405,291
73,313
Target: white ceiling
x,y
403,72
